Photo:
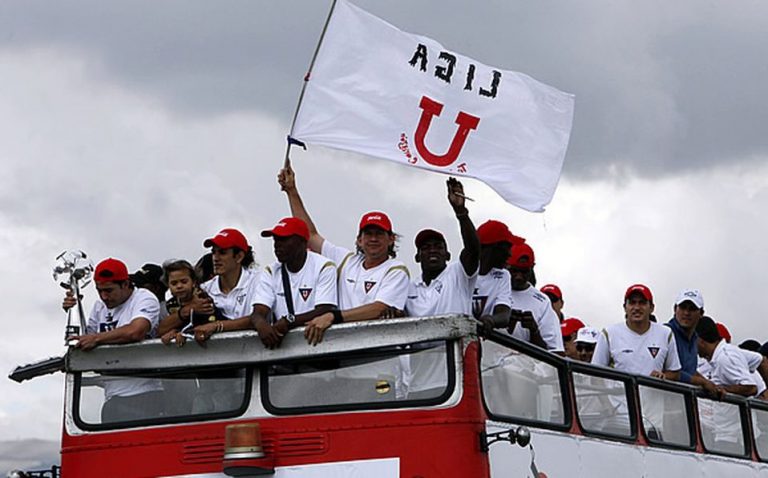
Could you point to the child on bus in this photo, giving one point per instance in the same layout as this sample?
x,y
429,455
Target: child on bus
x,y
183,284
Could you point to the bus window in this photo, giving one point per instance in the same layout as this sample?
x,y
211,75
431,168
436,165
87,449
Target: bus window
x,y
522,387
666,417
418,374
721,428
602,405
104,401
760,430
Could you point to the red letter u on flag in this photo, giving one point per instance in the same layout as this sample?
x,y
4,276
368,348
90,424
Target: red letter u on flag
x,y
465,121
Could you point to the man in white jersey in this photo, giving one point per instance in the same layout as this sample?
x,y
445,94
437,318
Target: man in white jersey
x,y
728,369
638,345
492,297
300,286
445,288
534,319
233,288
123,315
370,279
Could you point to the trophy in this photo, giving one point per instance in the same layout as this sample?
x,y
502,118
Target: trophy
x,y
73,272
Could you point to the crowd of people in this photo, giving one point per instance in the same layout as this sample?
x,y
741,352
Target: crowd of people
x,y
316,284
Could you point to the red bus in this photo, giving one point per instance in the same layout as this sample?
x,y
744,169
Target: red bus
x,y
415,397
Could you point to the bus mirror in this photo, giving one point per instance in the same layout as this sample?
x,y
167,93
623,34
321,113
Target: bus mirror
x,y
521,436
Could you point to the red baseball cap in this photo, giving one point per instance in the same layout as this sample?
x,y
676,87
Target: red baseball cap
x,y
570,326
491,232
552,289
376,219
227,238
426,235
288,226
521,256
110,270
641,289
723,331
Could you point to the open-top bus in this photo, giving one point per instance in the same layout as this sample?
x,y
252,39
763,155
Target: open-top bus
x,y
415,397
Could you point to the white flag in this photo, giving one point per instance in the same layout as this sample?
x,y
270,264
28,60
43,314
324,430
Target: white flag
x,y
389,94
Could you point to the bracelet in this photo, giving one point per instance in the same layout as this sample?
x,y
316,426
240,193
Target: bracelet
x,y
220,327
337,317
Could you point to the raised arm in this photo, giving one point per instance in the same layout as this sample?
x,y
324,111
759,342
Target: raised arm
x,y
470,254
287,180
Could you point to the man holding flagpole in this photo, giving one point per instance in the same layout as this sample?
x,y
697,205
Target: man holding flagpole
x,y
370,279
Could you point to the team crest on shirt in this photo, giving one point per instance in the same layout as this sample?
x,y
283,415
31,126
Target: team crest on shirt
x,y
369,285
305,291
478,305
654,351
109,324
240,298
439,287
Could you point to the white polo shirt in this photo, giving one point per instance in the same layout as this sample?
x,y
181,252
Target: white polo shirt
x,y
448,293
539,304
492,289
239,301
141,303
621,348
313,285
386,283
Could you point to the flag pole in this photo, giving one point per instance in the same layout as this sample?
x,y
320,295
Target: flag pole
x,y
291,140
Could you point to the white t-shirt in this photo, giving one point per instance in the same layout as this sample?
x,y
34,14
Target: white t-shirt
x,y
239,301
141,303
492,289
728,366
539,304
313,285
621,348
386,283
448,293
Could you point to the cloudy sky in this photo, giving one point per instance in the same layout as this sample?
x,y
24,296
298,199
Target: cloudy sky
x,y
136,129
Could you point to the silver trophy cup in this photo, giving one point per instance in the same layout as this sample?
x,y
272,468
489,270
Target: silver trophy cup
x,y
73,272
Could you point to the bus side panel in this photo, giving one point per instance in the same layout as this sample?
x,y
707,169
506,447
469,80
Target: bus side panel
x,y
555,454
428,442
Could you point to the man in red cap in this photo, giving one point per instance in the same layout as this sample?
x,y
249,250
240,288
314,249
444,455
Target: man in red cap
x,y
300,286
569,329
556,298
370,279
492,297
638,345
533,319
122,315
445,288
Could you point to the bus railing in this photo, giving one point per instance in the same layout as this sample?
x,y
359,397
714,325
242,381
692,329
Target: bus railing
x,y
613,405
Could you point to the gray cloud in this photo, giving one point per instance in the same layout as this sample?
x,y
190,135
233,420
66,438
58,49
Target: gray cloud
x,y
660,88
28,455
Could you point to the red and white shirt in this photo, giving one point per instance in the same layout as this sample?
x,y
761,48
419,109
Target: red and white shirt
x,y
313,285
386,283
621,348
492,289
448,293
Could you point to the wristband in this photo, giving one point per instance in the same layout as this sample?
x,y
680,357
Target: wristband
x,y
337,317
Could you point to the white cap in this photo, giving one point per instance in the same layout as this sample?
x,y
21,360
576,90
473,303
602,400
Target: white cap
x,y
587,335
692,295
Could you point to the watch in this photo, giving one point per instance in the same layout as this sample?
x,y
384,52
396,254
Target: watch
x,y
290,318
